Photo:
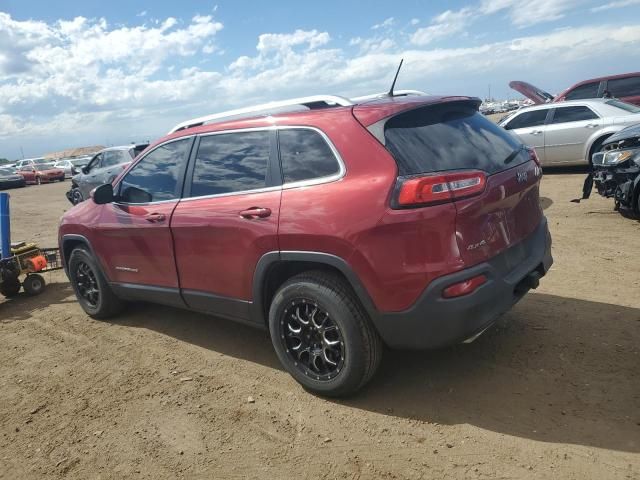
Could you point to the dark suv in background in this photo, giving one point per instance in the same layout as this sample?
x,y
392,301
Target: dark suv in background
x,y
409,221
103,168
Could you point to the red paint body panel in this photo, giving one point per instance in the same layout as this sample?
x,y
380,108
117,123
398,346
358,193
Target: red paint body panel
x,y
216,249
395,254
505,214
134,249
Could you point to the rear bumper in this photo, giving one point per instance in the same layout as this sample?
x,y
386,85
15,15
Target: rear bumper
x,y
434,321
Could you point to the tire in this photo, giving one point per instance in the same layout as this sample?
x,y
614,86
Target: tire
x,y
10,287
34,284
90,286
354,356
76,196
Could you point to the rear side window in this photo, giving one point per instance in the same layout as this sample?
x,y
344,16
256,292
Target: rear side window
x,y
231,162
450,137
588,90
155,177
535,118
627,107
624,87
572,114
305,155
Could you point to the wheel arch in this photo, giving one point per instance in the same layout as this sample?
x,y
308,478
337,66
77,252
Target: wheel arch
x,y
72,241
275,268
595,140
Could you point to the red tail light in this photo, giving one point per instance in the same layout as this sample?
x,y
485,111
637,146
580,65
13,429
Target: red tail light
x,y
438,188
534,156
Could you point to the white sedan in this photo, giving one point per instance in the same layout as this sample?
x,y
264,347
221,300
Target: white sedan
x,y
569,133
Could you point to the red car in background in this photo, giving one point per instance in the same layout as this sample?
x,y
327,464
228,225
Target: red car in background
x,y
39,173
625,87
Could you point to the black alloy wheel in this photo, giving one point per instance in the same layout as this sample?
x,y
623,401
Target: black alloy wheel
x,y
312,340
87,284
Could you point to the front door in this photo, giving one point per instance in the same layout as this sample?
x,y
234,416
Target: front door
x,y
227,220
133,232
568,132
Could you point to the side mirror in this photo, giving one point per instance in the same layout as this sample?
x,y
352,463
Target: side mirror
x,y
103,194
85,169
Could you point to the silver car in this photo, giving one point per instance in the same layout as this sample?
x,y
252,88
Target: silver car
x,y
568,133
102,168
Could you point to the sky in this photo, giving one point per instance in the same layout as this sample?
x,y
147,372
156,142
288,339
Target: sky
x,y
88,72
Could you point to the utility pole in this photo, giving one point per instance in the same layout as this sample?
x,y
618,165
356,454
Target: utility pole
x,y
21,152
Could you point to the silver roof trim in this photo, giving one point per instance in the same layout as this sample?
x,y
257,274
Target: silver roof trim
x,y
266,108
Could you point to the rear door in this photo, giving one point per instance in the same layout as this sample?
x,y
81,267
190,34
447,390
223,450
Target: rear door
x,y
566,134
227,220
455,137
133,233
530,128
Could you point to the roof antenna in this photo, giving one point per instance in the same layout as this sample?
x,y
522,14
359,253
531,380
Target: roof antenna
x,y
390,94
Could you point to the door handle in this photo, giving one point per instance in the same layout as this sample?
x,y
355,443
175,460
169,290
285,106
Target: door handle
x,y
535,132
155,217
591,125
255,212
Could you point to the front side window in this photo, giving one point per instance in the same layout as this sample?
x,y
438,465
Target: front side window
x,y
588,90
572,114
305,155
534,118
231,162
155,177
112,158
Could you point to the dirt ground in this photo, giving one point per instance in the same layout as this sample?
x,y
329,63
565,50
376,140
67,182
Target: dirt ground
x,y
162,393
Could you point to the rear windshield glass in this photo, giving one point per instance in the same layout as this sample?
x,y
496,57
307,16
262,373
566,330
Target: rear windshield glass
x,y
624,106
450,137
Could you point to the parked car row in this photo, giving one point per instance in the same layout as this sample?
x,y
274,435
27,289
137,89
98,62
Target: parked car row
x,y
34,172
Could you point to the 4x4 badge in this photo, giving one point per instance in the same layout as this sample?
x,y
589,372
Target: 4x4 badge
x,y
521,176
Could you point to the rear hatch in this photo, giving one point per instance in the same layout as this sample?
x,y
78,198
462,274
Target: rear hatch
x,y
449,152
535,94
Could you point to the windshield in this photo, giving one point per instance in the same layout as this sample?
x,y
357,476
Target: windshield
x,y
627,107
44,166
40,161
450,137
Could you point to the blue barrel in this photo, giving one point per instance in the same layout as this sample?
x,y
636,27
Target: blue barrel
x,y
5,226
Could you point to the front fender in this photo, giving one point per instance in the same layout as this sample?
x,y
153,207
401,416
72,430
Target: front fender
x,y
597,135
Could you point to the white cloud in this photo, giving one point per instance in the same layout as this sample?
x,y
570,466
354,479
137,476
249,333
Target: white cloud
x,y
81,80
385,24
414,21
444,25
617,4
532,12
142,14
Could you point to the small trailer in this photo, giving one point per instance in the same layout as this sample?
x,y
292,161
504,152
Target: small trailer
x,y
25,260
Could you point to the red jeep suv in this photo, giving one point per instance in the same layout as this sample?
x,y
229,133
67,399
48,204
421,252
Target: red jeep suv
x,y
407,221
